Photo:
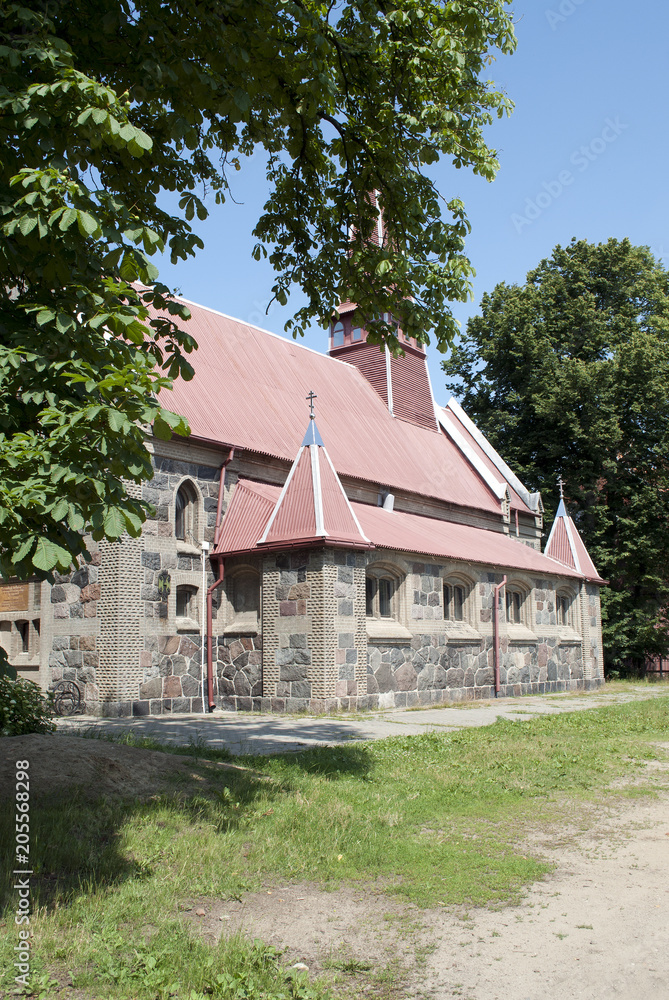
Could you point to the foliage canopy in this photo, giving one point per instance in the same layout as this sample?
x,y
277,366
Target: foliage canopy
x,y
569,374
105,107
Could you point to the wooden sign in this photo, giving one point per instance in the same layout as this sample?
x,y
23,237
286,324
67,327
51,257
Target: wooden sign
x,y
14,597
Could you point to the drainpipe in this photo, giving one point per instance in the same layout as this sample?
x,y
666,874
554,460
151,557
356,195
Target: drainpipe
x,y
203,632
495,633
217,583
210,664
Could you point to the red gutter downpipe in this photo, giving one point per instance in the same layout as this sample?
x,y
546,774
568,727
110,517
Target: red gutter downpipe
x,y
217,583
210,665
495,633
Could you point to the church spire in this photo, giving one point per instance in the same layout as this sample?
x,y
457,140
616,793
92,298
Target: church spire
x,y
565,545
313,507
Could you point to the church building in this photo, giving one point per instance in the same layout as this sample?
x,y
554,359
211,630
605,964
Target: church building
x,y
327,538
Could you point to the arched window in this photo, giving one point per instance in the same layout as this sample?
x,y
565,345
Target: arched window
x,y
457,599
454,602
246,593
516,604
185,513
338,334
356,333
187,603
382,592
563,607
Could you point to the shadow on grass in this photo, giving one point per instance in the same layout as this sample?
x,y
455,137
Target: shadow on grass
x,y
77,842
331,763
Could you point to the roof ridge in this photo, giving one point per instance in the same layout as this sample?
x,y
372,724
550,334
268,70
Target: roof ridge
x,y
261,329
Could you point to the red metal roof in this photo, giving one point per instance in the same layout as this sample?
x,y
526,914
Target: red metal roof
x,y
558,546
391,530
339,519
517,502
565,545
294,514
249,391
311,508
246,517
428,536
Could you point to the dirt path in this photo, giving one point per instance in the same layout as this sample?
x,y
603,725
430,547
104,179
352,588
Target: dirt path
x,y
597,928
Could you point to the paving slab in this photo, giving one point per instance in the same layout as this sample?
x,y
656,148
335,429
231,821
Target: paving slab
x,y
259,733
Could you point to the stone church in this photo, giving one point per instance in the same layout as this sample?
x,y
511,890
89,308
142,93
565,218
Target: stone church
x,y
327,538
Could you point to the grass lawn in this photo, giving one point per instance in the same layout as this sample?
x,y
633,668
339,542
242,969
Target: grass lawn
x,y
434,819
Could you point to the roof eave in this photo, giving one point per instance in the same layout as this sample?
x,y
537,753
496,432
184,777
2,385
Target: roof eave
x,y
313,543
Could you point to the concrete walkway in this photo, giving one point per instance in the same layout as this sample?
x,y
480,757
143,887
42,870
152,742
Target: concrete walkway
x,y
250,733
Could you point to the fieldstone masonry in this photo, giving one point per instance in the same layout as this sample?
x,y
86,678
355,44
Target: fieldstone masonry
x,y
74,653
312,649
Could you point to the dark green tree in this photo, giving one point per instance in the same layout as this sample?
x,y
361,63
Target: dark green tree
x,y
569,374
104,107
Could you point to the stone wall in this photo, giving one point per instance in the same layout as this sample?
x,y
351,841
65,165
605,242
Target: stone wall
x,y
291,592
72,630
454,661
238,673
433,669
113,626
312,647
172,670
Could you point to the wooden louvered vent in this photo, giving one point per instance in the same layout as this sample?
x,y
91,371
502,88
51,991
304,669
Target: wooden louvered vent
x,y
412,398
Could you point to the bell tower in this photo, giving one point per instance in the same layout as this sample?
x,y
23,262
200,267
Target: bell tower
x,y
402,382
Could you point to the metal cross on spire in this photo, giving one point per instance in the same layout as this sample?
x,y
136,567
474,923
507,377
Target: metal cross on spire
x,y
560,484
311,397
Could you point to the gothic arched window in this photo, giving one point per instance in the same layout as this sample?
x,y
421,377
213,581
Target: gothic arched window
x,y
185,513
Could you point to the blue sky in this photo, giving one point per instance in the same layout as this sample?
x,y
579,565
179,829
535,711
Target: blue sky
x,y
584,154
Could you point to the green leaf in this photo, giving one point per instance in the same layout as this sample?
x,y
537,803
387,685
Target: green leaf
x,y
242,100
22,551
48,555
27,224
114,522
88,225
116,420
67,218
45,316
60,509
75,521
162,429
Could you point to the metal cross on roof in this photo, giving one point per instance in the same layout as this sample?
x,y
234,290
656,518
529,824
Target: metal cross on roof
x,y
560,484
311,397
